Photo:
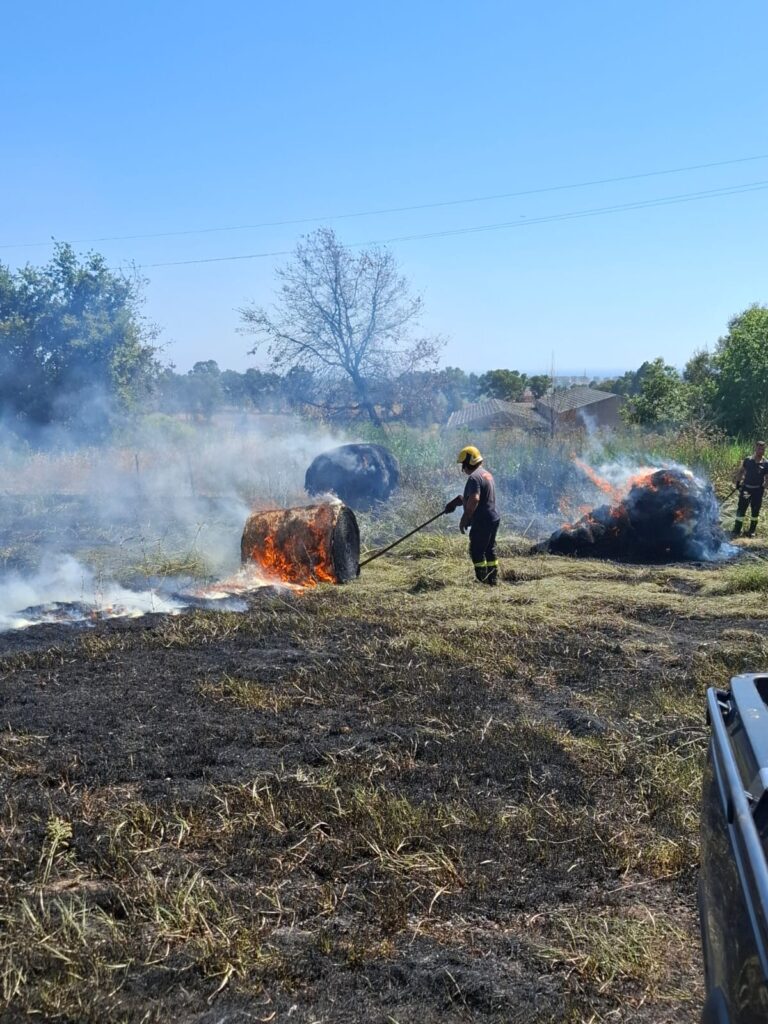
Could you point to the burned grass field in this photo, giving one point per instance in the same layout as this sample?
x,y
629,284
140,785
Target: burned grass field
x,y
408,798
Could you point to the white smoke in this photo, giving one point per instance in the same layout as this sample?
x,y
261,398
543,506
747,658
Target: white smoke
x,y
95,527
65,590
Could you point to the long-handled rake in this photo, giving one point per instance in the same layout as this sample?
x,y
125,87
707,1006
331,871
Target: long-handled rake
x,y
400,540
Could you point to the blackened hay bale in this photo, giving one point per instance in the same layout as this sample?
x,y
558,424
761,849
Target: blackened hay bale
x,y
360,474
668,515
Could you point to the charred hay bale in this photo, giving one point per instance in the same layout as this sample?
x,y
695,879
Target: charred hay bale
x,y
360,474
319,543
667,515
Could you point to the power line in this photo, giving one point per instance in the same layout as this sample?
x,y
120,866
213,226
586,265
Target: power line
x,y
755,186
642,204
398,209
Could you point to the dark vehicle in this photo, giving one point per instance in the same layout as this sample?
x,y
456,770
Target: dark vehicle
x,y
733,880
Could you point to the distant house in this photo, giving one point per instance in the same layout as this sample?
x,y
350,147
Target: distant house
x,y
494,414
578,407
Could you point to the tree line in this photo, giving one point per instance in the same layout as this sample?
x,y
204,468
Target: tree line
x,y
342,341
418,397
725,388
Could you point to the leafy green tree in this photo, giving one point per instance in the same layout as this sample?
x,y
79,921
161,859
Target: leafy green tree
x,y
628,384
74,348
741,367
701,377
299,387
662,398
539,384
203,389
509,385
344,316
167,391
475,386
418,398
233,388
263,390
455,386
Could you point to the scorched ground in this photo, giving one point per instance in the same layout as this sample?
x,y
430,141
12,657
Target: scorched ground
x,y
406,799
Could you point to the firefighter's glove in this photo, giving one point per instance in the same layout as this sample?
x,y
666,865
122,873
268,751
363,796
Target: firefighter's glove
x,y
452,506
464,524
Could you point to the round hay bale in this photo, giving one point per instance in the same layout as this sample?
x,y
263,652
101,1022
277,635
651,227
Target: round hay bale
x,y
319,543
360,474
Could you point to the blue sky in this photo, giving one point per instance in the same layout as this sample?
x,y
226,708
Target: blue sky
x,y
147,118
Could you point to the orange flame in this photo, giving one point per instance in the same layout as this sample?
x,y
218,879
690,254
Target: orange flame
x,y
298,557
248,578
598,481
315,570
641,478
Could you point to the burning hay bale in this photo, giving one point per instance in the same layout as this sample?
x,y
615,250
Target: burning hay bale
x,y
320,543
361,474
667,515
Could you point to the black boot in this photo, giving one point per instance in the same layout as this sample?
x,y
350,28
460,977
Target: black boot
x,y
492,578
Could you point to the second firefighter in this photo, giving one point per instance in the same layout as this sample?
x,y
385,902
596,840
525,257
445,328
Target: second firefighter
x,y
750,481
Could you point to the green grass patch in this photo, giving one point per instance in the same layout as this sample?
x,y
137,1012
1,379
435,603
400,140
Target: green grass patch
x,y
248,693
744,578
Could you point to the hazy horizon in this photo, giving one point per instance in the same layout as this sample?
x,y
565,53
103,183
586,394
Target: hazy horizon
x,y
592,374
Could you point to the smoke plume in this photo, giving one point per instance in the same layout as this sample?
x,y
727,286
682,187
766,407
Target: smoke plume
x,y
125,528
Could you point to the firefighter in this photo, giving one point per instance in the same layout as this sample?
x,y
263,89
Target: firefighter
x,y
480,516
750,481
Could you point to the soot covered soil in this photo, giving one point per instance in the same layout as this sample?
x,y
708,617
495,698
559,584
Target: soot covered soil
x,y
411,798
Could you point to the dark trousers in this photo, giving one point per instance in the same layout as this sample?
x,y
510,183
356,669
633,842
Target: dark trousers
x,y
482,550
752,499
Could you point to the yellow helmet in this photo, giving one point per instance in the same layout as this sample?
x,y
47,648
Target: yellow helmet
x,y
471,455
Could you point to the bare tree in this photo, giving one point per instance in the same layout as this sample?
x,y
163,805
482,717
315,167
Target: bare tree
x,y
346,317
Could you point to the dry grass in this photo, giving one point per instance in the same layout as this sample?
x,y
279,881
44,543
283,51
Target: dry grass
x,y
430,799
608,952
248,693
162,563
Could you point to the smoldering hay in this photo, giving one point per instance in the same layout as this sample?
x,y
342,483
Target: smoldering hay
x,y
666,515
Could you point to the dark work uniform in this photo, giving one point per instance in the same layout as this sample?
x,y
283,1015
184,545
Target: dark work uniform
x,y
484,526
751,491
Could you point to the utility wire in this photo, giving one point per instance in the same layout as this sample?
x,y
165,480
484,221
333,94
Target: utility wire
x,y
398,209
685,197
